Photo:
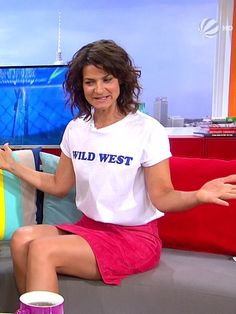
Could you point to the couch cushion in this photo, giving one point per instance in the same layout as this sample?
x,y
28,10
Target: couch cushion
x,y
209,228
184,282
17,198
57,210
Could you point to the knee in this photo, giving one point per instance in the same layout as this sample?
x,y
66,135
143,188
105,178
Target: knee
x,y
39,249
21,237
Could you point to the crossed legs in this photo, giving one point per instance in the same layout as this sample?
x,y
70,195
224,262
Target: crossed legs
x,y
40,252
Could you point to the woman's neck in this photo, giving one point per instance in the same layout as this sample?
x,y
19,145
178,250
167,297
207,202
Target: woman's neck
x,y
103,118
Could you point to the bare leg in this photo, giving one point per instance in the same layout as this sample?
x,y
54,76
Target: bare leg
x,y
19,249
66,254
39,252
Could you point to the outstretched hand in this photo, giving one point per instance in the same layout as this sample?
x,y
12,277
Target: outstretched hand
x,y
218,191
6,158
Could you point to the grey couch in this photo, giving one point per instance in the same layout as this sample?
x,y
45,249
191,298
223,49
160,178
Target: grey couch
x,y
184,282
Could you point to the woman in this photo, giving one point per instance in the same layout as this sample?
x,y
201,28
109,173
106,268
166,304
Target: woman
x,y
118,159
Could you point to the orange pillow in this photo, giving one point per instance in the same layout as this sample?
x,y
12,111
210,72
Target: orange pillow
x,y
208,227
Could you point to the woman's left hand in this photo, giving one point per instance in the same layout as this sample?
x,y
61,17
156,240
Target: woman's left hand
x,y
218,191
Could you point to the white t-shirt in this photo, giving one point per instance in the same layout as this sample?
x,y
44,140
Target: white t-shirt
x,y
108,164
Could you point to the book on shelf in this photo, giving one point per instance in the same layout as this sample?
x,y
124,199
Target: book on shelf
x,y
221,129
218,129
212,134
223,120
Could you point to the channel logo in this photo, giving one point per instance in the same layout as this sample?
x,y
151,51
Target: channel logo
x,y
209,27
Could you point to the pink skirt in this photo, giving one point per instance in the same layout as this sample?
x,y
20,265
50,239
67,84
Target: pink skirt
x,y
120,251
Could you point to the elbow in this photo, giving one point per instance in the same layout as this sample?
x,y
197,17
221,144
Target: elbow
x,y
61,189
159,207
162,201
61,193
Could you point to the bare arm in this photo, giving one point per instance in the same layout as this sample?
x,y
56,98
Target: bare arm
x,y
58,184
166,198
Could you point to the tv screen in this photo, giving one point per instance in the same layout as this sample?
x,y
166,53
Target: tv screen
x,y
32,105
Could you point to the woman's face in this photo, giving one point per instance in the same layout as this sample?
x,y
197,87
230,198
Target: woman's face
x,y
101,89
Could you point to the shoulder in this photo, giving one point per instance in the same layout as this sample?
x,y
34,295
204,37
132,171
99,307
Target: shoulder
x,y
74,128
77,123
146,122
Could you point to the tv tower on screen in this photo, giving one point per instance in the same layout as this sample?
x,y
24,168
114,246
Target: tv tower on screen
x,y
59,60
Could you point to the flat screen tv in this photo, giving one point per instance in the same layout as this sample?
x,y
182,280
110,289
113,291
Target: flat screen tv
x,y
32,105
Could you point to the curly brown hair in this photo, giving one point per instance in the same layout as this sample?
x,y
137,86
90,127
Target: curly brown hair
x,y
113,59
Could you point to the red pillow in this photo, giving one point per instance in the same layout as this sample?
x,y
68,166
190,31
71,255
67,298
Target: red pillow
x,y
208,227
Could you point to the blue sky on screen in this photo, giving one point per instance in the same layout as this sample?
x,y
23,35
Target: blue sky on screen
x,y
161,36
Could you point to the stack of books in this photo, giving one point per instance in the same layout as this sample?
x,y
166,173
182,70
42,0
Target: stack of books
x,y
220,128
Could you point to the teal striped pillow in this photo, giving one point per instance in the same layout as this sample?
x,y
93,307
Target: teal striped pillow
x,y
17,198
57,210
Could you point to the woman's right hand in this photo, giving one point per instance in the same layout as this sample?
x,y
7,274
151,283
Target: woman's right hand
x,y
6,158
